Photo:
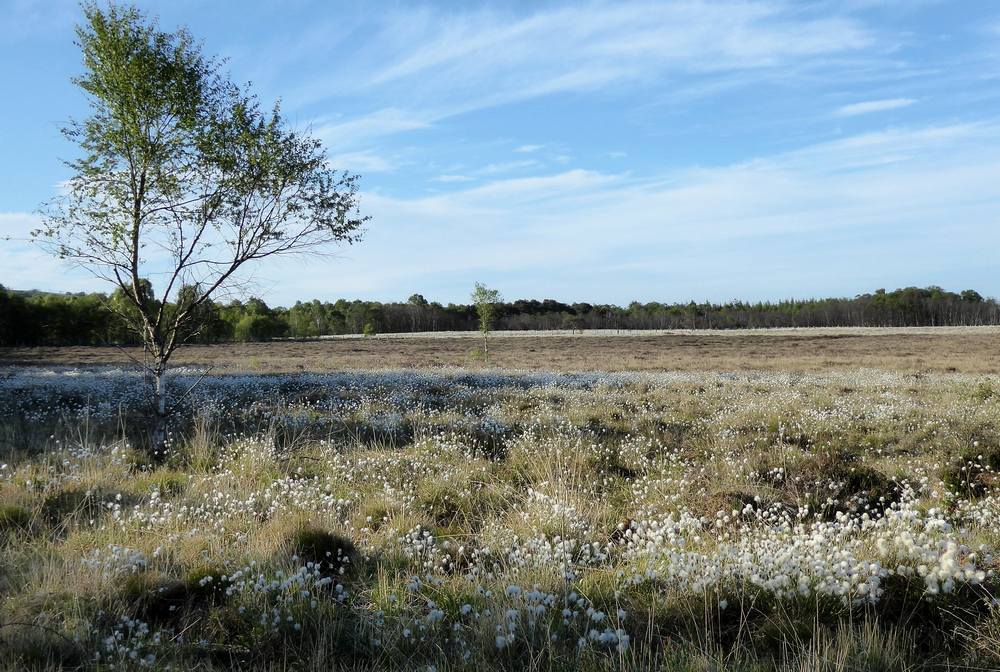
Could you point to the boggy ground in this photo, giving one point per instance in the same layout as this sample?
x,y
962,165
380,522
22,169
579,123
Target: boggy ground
x,y
965,350
489,520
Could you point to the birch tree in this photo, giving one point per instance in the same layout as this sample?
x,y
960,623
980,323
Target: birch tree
x,y
184,180
485,301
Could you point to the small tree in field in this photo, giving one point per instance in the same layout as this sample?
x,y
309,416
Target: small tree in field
x,y
486,300
182,179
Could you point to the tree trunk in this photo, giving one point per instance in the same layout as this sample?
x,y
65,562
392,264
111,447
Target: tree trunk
x,y
158,437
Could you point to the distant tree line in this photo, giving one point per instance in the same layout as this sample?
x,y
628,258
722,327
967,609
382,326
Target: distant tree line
x,y
38,318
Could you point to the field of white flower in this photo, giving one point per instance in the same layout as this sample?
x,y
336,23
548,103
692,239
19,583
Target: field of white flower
x,y
497,520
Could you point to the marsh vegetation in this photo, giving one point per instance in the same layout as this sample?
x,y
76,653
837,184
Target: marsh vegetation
x,y
461,520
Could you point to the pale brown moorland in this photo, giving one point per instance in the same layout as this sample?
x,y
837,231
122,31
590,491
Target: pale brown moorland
x,y
947,350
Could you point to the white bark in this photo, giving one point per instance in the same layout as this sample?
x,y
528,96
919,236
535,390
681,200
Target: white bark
x,y
159,434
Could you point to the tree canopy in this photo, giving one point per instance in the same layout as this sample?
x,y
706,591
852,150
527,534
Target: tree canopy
x,y
182,179
34,318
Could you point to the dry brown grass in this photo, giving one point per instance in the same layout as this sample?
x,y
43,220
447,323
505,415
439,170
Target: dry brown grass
x,y
91,535
975,351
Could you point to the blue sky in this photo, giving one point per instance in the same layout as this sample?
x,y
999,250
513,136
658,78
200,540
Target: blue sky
x,y
605,152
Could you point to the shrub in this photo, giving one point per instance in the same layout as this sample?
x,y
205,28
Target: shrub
x,y
159,599
983,392
333,553
854,488
974,473
866,489
155,599
905,602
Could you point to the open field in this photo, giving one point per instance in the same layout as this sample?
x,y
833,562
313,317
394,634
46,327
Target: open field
x,y
844,520
965,350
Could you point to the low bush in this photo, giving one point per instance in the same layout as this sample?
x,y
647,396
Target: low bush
x,y
332,553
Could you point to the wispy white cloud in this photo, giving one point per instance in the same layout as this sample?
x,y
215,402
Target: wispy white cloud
x,y
507,166
870,106
527,149
26,265
364,162
536,189
774,224
893,145
17,226
445,63
622,39
358,130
